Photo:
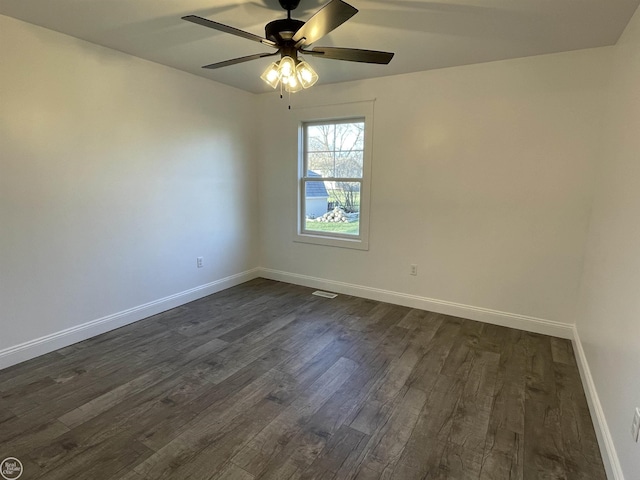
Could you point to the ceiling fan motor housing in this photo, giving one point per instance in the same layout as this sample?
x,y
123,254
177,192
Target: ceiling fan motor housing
x,y
281,31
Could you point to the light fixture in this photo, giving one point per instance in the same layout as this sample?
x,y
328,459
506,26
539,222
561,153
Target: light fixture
x,y
286,67
292,74
292,84
271,75
307,75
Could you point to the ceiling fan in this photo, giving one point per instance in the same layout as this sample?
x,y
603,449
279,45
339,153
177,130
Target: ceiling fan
x,y
290,37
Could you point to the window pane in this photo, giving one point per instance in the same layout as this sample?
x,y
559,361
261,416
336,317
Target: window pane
x,y
335,150
320,138
321,163
332,207
349,164
349,136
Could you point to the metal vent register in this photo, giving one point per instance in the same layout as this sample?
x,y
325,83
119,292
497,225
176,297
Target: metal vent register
x,y
320,293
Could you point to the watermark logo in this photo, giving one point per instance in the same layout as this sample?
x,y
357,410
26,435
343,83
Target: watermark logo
x,y
10,468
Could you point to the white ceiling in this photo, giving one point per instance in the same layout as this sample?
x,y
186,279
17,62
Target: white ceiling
x,y
423,34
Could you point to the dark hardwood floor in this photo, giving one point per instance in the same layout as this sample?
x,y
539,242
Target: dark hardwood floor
x,y
266,381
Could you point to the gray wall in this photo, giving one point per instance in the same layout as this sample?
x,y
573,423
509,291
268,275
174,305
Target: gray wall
x,y
115,174
609,319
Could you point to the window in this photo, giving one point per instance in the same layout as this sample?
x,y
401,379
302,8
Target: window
x,y
333,182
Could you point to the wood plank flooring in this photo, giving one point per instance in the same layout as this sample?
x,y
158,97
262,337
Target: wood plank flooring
x,y
266,381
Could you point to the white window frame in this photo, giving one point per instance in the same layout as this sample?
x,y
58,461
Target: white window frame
x,y
360,111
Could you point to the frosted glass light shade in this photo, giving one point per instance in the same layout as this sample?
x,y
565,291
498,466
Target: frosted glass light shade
x,y
293,84
286,67
306,75
271,75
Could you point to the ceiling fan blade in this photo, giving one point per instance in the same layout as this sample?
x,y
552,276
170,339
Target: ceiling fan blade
x,y
227,29
328,18
234,61
351,54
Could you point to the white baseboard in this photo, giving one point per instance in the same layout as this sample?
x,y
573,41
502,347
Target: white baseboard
x,y
513,320
48,343
63,338
605,441
521,322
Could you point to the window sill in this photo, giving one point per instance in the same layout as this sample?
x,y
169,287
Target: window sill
x,y
356,243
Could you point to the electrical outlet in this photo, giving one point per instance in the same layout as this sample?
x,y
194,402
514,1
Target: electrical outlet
x,y
635,425
200,262
414,269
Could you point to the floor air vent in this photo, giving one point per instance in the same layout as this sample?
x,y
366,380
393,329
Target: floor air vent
x,y
320,293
